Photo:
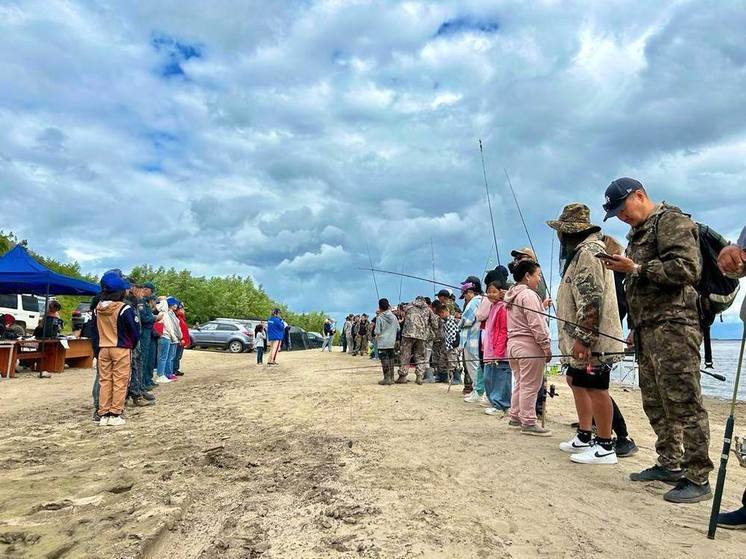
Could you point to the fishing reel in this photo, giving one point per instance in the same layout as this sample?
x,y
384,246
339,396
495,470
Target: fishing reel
x,y
740,451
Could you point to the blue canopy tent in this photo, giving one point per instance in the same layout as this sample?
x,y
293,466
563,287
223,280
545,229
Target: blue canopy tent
x,y
20,273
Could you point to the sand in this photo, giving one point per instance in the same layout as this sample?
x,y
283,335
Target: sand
x,y
237,461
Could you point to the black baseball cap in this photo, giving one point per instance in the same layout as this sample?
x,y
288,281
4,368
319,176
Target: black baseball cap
x,y
616,194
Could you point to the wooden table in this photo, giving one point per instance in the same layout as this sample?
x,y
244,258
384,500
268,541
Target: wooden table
x,y
45,355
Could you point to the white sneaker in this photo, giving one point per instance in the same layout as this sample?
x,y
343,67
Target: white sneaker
x,y
596,454
116,421
104,421
495,411
472,397
484,401
575,445
161,380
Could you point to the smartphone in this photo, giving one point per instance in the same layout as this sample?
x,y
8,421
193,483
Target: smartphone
x,y
604,256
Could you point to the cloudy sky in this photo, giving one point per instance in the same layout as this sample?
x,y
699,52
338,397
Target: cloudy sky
x,y
280,139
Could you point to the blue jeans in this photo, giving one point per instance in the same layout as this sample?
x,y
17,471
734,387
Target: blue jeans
x,y
147,351
177,358
259,355
498,381
165,356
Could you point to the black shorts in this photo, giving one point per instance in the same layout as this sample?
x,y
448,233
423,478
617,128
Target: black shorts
x,y
598,378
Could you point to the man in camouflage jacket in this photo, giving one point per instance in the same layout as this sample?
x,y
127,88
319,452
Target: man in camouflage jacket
x,y
662,264
419,325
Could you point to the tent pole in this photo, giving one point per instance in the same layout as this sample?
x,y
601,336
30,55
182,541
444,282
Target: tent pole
x,y
44,325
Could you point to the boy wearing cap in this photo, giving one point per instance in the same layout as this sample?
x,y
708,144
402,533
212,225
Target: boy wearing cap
x,y
116,330
662,267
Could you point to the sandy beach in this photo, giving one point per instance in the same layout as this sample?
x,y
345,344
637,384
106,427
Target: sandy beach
x,y
240,461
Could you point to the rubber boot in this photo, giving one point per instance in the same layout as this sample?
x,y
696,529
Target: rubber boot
x,y
388,379
402,378
429,377
418,378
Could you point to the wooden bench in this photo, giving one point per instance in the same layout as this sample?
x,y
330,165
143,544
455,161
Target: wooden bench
x,y
8,359
79,354
45,355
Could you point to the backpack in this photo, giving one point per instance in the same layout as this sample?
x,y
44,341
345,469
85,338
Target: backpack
x,y
716,291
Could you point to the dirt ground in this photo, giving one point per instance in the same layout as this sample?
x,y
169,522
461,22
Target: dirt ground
x,y
305,460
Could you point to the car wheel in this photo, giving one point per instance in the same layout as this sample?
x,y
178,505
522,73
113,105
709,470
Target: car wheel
x,y
236,346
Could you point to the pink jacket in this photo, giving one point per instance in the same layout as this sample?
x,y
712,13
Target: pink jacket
x,y
496,333
525,323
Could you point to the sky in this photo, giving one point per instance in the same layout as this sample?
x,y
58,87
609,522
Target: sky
x,y
295,142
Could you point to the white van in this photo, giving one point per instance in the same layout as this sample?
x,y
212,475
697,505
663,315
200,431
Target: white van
x,y
25,309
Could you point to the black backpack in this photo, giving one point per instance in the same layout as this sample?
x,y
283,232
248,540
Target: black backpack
x,y
716,291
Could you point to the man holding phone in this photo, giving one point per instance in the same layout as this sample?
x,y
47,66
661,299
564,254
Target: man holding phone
x,y
662,267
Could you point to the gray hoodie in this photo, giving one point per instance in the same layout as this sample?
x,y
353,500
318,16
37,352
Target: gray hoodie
x,y
387,326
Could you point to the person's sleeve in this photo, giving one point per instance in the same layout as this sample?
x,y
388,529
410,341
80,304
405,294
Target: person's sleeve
x,y
535,320
483,310
95,340
678,249
131,323
468,317
378,328
588,291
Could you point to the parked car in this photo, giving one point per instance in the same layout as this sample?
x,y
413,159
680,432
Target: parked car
x,y
81,315
250,323
233,336
24,308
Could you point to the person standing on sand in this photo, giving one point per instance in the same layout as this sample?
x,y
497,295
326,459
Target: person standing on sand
x,y
386,329
732,262
662,265
528,337
275,335
116,330
260,340
587,296
328,335
470,327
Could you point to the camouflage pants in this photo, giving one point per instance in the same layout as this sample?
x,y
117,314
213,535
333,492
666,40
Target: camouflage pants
x,y
363,345
672,397
439,356
409,347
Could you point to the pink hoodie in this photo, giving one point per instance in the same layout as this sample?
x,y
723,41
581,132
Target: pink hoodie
x,y
496,333
525,323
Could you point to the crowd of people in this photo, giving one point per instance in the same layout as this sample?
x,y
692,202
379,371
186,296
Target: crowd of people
x,y
499,342
138,340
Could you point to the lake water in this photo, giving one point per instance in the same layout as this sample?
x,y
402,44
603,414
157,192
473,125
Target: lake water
x,y
725,362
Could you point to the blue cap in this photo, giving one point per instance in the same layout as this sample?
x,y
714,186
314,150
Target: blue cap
x,y
114,281
172,301
616,194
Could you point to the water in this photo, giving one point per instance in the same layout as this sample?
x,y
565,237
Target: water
x,y
725,361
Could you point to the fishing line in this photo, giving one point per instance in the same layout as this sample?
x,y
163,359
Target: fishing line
x,y
489,202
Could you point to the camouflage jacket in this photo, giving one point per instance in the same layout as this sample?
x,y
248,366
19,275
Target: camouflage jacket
x,y
666,246
587,296
419,321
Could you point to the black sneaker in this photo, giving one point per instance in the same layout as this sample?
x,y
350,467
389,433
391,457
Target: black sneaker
x,y
96,417
141,402
625,447
735,520
179,374
657,473
148,396
688,492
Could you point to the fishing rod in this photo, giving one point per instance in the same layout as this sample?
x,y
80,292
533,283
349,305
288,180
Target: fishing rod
x,y
528,235
552,356
571,323
489,201
432,252
551,268
717,499
370,259
401,281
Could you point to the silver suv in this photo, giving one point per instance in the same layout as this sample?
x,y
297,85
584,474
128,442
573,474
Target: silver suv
x,y
233,336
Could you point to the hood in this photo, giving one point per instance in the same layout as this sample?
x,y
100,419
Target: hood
x,y
162,306
420,303
514,291
108,308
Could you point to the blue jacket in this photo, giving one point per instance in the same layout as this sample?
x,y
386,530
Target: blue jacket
x,y
275,329
115,324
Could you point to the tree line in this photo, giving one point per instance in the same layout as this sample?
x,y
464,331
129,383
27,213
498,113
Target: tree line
x,y
206,298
